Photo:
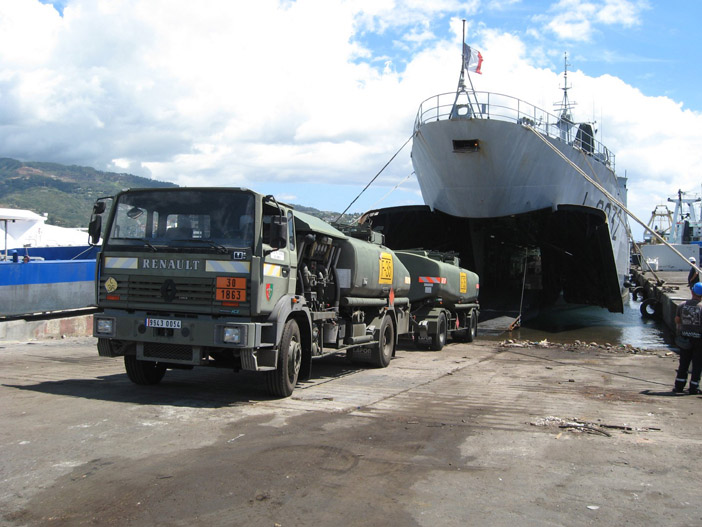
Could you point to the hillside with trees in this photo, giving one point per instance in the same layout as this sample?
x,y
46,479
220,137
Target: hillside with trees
x,y
67,193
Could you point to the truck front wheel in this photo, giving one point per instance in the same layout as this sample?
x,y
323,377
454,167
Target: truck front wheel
x,y
282,381
143,372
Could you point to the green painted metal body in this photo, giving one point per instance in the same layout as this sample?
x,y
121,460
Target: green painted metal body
x,y
438,276
368,270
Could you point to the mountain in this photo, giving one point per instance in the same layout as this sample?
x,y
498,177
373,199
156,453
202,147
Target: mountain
x,y
328,216
67,193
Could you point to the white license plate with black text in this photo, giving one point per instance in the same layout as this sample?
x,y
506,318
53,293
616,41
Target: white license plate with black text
x,y
162,323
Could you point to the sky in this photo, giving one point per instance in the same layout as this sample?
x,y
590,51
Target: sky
x,y
308,100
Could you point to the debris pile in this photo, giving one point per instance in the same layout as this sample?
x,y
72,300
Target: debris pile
x,y
576,345
578,426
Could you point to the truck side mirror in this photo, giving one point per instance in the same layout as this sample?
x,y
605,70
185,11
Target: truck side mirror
x,y
95,225
279,232
94,228
99,207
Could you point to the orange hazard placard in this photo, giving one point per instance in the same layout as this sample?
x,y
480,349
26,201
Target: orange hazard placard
x,y
235,295
230,289
230,282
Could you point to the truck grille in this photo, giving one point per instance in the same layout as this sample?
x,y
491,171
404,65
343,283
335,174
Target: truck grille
x,y
137,290
168,352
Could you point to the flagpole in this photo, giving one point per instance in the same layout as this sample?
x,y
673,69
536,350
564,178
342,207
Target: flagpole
x,y
463,47
463,68
461,83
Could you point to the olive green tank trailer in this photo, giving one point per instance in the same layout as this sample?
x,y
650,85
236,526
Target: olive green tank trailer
x,y
229,278
370,276
443,296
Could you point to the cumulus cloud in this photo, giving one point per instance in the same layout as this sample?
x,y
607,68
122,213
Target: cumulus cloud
x,y
280,92
576,20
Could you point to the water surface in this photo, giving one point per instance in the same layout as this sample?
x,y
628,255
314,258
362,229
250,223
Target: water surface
x,y
565,324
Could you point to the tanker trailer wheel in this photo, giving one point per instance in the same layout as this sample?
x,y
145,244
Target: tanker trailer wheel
x,y
282,381
651,309
438,339
473,331
143,372
382,354
468,334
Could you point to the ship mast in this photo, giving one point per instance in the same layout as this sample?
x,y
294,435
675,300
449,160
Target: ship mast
x,y
565,118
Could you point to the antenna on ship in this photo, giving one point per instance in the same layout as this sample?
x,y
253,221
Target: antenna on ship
x,y
565,118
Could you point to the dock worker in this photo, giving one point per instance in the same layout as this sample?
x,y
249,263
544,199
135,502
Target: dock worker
x,y
688,323
693,276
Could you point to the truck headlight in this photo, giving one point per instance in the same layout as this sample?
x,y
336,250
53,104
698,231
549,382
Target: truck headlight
x,y
234,334
104,326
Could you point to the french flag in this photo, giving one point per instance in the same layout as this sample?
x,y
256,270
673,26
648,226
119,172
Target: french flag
x,y
472,59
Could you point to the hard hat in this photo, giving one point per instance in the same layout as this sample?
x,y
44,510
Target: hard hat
x,y
692,259
697,289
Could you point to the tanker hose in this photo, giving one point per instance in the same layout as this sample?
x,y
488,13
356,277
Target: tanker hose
x,y
305,277
321,282
307,240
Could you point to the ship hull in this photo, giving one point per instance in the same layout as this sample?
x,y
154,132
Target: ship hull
x,y
521,216
512,171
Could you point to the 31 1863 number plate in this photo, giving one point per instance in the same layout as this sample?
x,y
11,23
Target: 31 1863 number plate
x,y
162,323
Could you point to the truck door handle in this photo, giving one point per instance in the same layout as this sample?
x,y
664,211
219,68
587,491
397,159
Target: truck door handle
x,y
285,272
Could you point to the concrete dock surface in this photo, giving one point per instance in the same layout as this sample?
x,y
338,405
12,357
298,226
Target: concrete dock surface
x,y
665,289
488,433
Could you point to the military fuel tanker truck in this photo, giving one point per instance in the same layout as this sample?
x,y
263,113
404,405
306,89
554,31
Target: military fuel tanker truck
x,y
443,296
227,277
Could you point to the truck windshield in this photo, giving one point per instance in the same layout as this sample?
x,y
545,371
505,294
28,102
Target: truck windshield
x,y
199,218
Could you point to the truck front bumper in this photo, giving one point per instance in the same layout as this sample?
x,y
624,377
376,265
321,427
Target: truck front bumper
x,y
186,340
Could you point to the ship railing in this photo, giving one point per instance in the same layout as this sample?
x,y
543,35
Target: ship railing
x,y
489,105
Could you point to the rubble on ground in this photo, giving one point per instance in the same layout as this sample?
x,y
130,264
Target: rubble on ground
x,y
573,424
576,345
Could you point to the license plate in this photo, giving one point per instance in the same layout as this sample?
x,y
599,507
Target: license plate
x,y
162,323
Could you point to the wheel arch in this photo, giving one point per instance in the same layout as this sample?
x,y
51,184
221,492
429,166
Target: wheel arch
x,y
284,310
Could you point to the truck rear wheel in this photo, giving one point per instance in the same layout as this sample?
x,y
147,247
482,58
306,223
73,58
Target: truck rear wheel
x,y
469,333
386,344
143,372
472,332
438,339
282,381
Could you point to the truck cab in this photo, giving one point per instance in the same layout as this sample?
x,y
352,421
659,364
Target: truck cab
x,y
184,271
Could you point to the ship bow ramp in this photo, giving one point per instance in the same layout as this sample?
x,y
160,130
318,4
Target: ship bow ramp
x,y
563,251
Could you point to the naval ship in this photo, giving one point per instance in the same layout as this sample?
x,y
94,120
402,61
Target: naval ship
x,y
529,199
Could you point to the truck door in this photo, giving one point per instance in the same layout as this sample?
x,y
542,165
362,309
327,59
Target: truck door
x,y
279,263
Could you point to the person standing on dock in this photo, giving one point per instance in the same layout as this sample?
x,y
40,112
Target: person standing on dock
x,y
688,323
693,276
